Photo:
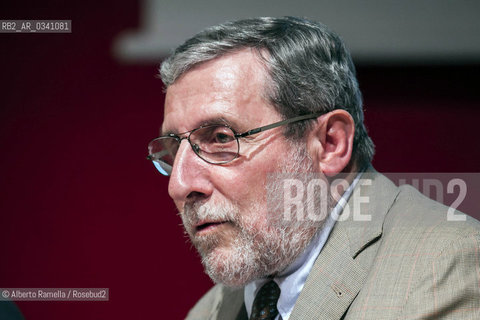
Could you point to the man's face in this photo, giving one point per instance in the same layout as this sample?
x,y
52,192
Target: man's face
x,y
224,207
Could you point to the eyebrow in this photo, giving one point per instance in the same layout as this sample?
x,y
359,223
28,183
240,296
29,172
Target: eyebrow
x,y
206,122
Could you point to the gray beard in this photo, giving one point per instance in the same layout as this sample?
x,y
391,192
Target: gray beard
x,y
252,253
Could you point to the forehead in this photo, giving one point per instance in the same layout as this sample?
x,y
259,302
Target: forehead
x,y
231,87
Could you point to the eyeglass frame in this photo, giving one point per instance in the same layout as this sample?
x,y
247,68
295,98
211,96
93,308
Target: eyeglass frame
x,y
236,135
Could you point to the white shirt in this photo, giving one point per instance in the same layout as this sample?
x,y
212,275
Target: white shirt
x,y
292,280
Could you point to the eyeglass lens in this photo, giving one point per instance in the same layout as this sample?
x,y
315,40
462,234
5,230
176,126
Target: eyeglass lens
x,y
215,144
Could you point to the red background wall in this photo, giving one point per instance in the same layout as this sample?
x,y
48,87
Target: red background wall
x,y
81,207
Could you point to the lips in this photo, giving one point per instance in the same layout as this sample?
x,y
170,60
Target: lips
x,y
208,225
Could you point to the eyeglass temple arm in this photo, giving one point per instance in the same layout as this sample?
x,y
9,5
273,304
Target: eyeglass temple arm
x,y
277,124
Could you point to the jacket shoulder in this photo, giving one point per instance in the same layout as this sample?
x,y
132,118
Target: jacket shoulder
x,y
427,263
414,212
204,307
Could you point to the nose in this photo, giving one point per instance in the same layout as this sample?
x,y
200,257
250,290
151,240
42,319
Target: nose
x,y
190,177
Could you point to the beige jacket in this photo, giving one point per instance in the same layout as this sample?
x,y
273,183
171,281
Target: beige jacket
x,y
408,262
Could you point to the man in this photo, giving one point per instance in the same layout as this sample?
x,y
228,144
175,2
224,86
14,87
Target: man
x,y
258,104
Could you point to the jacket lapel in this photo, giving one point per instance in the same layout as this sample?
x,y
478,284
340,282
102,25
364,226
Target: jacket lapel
x,y
231,307
342,266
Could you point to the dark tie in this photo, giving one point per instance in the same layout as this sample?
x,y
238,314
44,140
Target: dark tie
x,y
265,303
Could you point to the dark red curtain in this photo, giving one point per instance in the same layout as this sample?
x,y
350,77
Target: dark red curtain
x,y
81,207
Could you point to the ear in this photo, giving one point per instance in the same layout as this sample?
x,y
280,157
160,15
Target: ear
x,y
330,142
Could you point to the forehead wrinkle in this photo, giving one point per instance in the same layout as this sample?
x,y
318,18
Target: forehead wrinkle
x,y
238,72
235,81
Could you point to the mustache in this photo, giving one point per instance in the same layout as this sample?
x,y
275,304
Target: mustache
x,y
195,212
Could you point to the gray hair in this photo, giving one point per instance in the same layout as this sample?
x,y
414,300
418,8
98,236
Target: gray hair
x,y
310,69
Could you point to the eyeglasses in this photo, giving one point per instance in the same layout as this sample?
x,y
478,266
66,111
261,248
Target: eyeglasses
x,y
215,144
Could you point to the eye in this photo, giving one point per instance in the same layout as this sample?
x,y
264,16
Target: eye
x,y
170,146
213,137
221,137
215,143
